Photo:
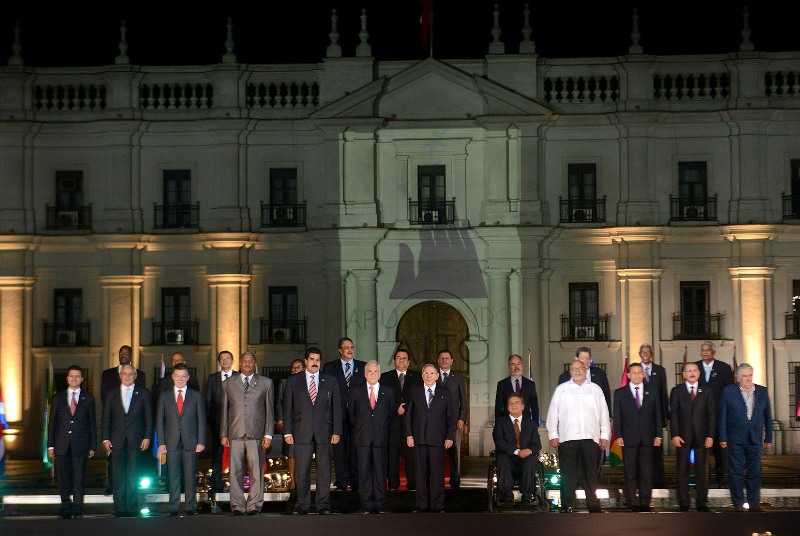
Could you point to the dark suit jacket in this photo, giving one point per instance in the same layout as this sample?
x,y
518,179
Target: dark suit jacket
x,y
110,381
457,385
637,426
721,377
389,378
693,422
658,383
305,421
214,396
188,429
335,371
78,431
371,426
126,430
599,378
504,440
431,426
733,424
529,397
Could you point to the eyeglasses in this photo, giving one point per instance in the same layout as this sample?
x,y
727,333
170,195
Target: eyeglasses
x,y
348,347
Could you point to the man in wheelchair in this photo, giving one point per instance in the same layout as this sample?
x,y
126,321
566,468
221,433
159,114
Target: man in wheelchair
x,y
517,446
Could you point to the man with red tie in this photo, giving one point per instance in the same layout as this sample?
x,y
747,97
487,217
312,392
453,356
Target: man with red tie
x,y
517,444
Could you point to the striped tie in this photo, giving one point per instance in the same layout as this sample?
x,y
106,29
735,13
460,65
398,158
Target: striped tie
x,y
347,374
312,390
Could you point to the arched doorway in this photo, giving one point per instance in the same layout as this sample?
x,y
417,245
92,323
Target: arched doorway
x,y
429,327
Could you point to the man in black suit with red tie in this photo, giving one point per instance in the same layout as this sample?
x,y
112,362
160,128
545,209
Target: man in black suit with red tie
x,y
637,426
716,375
400,380
371,408
517,444
430,430
71,440
693,423
517,383
127,429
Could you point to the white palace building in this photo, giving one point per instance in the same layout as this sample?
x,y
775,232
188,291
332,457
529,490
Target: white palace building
x,y
505,204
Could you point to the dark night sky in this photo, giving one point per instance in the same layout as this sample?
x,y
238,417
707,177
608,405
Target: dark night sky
x,y
180,32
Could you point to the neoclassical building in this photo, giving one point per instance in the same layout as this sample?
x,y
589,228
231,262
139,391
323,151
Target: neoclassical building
x,y
507,204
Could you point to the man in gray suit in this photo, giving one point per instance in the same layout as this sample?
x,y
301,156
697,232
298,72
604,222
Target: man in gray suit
x,y
457,385
181,425
312,422
247,421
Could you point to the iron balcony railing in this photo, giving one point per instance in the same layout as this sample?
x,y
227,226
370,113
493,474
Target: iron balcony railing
x,y
582,210
431,212
584,327
284,332
175,333
693,208
69,218
697,326
67,334
283,215
177,216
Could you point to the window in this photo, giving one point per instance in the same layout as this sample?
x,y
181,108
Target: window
x,y
176,326
794,394
283,186
69,190
695,320
692,181
793,316
581,204
282,312
791,202
68,327
177,212
431,205
583,311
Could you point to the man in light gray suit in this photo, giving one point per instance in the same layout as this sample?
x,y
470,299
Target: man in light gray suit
x,y
181,425
247,421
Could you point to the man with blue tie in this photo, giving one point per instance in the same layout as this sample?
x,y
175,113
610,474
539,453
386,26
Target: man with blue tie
x,y
745,427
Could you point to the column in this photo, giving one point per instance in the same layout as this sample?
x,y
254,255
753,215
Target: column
x,y
229,309
332,331
639,309
122,302
498,328
367,311
16,302
752,319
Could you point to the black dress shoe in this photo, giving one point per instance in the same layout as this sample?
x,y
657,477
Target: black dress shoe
x,y
596,511
77,516
422,511
254,513
237,513
324,512
645,509
299,512
438,511
757,508
173,514
703,508
191,512
121,514
65,516
683,508
567,510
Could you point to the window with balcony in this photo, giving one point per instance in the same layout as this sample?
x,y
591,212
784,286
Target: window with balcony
x,y
793,316
794,394
584,323
68,328
176,326
693,202
69,212
791,202
283,210
431,206
695,321
178,211
284,325
581,204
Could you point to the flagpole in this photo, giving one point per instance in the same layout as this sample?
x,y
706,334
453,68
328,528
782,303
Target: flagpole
x,y
430,29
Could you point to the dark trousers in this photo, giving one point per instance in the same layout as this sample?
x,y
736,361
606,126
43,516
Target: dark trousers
x,y
720,464
638,462
216,459
71,470
182,465
658,467
372,476
578,459
743,456
125,463
454,455
344,457
302,455
701,476
398,447
430,477
507,465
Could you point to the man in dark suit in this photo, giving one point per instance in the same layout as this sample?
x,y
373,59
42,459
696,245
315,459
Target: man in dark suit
x,y
247,423
745,427
595,375
214,396
692,426
457,385
312,422
400,380
656,380
109,382
637,426
716,375
349,374
430,430
517,444
517,383
371,408
181,425
71,440
127,429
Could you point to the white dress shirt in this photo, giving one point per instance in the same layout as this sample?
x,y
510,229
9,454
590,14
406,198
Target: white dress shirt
x,y
578,412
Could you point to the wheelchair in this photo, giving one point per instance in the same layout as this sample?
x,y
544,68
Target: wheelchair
x,y
540,502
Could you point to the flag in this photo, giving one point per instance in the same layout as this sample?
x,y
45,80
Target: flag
x,y
685,355
735,364
162,459
530,377
798,408
3,426
615,457
48,397
425,23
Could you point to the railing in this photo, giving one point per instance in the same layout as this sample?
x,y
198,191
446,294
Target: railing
x,y
581,89
584,327
792,326
702,326
780,84
582,210
69,97
176,96
74,218
286,332
174,333
266,94
283,215
177,216
691,86
68,334
791,206
693,208
434,212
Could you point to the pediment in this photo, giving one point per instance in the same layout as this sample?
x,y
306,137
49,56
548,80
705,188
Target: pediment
x,y
431,90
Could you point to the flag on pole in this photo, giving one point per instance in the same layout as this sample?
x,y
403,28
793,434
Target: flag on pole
x,y
48,397
615,457
530,377
3,426
426,25
735,364
685,355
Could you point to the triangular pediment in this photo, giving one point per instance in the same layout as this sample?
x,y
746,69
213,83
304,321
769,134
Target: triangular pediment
x,y
431,90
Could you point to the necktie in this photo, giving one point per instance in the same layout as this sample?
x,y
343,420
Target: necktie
x,y
224,376
127,399
73,405
444,379
312,390
516,385
347,374
246,384
638,400
647,373
516,431
430,396
179,402
691,392
402,379
372,396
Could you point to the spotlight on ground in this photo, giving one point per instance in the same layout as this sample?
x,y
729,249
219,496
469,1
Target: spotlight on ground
x,y
145,482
